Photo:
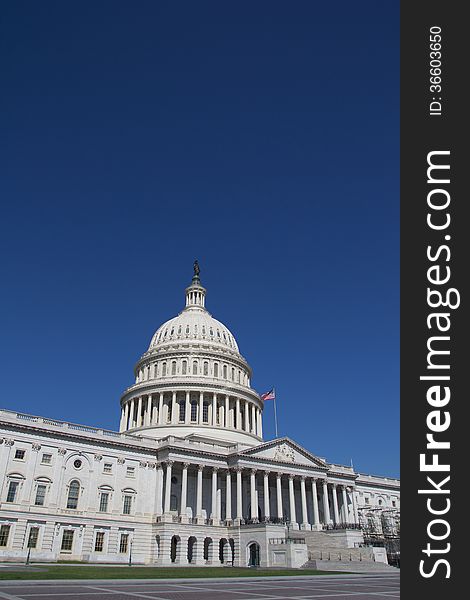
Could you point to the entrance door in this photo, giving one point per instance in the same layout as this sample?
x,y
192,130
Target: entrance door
x,y
254,555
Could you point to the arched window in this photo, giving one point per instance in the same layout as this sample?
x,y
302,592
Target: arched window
x,y
206,368
164,369
216,370
184,367
233,374
173,367
195,367
74,491
225,371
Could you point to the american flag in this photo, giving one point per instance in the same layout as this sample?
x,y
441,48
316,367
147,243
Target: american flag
x,y
271,395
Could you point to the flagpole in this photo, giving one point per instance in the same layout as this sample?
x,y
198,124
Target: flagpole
x,y
275,412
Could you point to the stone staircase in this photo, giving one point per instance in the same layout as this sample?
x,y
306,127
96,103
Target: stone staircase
x,y
353,566
329,553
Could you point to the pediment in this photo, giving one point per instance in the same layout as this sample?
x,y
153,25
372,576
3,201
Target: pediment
x,y
285,451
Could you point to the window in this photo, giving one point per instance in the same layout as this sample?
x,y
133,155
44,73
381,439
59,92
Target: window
x,y
46,459
233,374
205,413
77,463
19,454
123,543
126,508
194,411
40,494
130,472
104,500
216,370
367,500
173,502
218,410
107,468
72,498
225,371
67,540
184,367
173,368
33,537
206,368
182,412
195,367
12,490
99,541
394,503
164,370
4,533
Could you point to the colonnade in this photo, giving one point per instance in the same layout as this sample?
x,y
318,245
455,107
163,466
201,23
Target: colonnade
x,y
319,489
197,408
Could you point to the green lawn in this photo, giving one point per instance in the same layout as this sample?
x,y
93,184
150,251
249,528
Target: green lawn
x,y
103,572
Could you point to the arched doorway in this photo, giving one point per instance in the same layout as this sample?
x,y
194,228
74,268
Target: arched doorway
x,y
253,555
174,549
222,549
208,549
191,549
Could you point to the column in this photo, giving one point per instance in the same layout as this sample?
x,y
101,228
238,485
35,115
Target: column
x,y
121,422
154,412
355,513
239,494
199,494
345,504
326,504
254,504
174,413
260,428
184,493
335,504
227,414
159,491
266,495
293,518
214,410
316,514
160,409
126,417
237,413
201,403
228,496
214,496
303,497
279,495
247,417
169,465
187,410
149,410
139,413
132,411
253,419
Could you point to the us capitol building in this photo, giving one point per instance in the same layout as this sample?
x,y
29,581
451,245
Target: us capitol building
x,y
188,479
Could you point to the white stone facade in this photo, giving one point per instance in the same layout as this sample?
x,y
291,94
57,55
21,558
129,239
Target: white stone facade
x,y
186,480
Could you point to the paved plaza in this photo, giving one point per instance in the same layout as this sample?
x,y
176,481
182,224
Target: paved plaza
x,y
361,587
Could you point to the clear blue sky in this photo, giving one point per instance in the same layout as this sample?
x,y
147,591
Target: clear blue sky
x,y
259,137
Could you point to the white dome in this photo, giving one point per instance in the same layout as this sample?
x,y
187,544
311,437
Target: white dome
x,y
193,381
194,324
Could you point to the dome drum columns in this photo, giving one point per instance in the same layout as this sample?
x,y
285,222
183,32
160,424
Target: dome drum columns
x,y
191,407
